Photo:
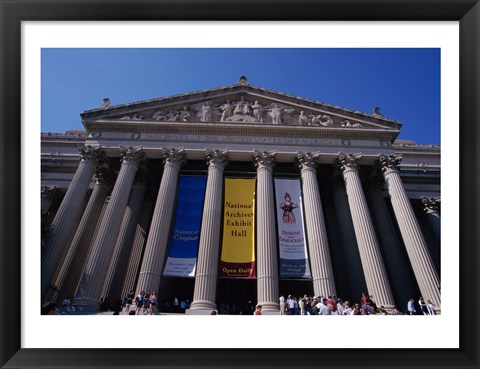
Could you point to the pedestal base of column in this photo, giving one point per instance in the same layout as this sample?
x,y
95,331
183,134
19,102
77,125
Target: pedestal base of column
x,y
81,307
201,308
388,308
270,308
200,311
78,310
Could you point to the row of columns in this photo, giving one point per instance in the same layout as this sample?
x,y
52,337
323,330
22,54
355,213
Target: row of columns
x,y
68,216
103,247
116,230
427,277
370,255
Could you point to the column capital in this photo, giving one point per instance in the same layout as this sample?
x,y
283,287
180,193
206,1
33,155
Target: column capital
x,y
389,162
264,159
89,152
132,154
174,157
307,160
347,161
217,157
431,204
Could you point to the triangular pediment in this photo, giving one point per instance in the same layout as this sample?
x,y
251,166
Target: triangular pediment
x,y
240,103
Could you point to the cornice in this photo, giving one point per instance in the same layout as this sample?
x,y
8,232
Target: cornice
x,y
415,149
238,129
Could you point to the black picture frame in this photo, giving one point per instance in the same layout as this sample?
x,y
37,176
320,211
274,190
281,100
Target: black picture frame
x,y
12,13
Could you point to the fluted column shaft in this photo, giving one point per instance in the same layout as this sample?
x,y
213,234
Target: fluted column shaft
x,y
121,254
93,277
422,264
158,237
353,263
321,263
209,245
71,270
267,259
138,244
395,259
372,262
63,226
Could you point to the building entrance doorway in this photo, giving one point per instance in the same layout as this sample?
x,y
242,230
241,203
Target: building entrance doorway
x,y
178,288
234,295
296,287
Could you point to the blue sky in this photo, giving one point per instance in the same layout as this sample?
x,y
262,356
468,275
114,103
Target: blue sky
x,y
404,83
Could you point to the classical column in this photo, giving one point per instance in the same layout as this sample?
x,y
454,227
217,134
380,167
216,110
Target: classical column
x,y
158,237
67,279
353,263
207,262
123,247
138,245
63,226
267,258
422,264
373,267
321,264
93,277
395,259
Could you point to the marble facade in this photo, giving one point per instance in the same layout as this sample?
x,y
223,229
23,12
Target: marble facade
x,y
372,209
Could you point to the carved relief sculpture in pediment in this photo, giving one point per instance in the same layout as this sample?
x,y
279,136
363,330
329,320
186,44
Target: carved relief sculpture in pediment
x,y
322,120
133,117
159,115
279,114
185,115
173,115
244,111
303,119
227,111
258,112
206,113
242,107
347,123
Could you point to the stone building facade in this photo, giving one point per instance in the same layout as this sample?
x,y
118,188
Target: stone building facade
x,y
369,209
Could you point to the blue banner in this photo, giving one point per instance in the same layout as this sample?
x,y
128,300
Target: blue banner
x,y
184,241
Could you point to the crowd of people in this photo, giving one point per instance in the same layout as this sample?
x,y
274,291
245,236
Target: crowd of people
x,y
332,305
146,303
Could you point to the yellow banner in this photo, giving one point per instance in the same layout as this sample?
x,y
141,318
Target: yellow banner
x,y
238,246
